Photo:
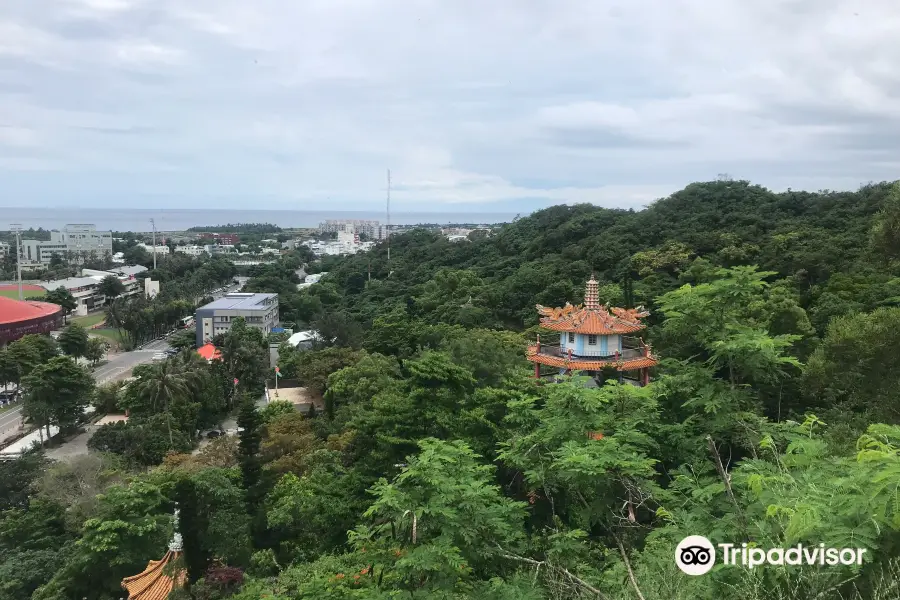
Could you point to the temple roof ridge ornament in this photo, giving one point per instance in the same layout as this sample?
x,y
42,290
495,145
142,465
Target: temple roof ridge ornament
x,y
592,318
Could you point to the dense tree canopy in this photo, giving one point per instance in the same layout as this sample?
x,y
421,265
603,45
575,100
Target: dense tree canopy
x,y
438,468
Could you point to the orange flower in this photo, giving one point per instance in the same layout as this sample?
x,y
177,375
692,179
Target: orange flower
x,y
364,571
339,576
397,552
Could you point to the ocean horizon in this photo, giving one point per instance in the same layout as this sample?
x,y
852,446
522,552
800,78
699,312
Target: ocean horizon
x,y
138,219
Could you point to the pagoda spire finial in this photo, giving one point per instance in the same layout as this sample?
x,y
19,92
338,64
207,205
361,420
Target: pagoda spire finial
x,y
592,294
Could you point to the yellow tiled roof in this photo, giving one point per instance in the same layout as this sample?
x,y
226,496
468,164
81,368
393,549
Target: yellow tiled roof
x,y
153,583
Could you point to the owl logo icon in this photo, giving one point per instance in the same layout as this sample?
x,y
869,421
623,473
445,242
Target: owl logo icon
x,y
695,555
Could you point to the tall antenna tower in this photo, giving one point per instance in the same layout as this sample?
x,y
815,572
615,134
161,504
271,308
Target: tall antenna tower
x,y
389,219
153,222
17,228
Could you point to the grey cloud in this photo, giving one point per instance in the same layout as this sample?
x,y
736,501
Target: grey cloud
x,y
561,100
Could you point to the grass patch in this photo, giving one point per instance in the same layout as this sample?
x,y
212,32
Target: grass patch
x,y
89,320
14,294
110,334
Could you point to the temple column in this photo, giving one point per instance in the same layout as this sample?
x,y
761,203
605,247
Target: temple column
x,y
645,376
537,370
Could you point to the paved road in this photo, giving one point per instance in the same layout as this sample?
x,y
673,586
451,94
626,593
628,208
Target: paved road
x,y
120,364
10,421
118,367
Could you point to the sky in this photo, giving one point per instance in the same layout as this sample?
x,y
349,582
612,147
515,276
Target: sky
x,y
473,105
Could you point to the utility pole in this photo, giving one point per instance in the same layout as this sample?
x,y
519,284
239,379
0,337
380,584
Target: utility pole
x,y
17,228
153,222
389,220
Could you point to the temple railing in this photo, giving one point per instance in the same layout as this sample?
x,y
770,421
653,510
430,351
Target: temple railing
x,y
556,350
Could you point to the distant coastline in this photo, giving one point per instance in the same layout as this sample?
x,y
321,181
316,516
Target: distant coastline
x,y
138,219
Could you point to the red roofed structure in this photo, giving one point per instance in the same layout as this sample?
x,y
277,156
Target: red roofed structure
x,y
593,338
18,318
209,352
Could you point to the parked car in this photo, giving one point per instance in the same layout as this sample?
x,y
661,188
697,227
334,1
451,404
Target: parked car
x,y
214,434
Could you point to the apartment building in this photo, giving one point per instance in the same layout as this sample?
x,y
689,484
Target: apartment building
x,y
191,250
76,242
259,310
374,230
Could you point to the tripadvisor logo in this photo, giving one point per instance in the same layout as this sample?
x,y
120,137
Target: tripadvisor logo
x,y
696,555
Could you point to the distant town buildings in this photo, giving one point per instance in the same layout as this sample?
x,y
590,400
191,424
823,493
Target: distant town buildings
x,y
221,238
4,249
459,234
215,249
86,289
258,310
74,242
192,250
151,249
373,230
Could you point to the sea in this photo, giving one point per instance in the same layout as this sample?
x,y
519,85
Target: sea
x,y
138,219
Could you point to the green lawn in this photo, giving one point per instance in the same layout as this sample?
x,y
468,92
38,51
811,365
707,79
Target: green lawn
x,y
110,334
89,320
14,294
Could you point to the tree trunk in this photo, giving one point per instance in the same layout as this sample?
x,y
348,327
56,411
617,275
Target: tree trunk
x,y
169,426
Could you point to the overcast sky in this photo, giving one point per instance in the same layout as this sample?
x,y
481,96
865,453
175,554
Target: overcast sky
x,y
474,105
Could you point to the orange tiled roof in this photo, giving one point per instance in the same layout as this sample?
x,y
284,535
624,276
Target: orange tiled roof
x,y
594,320
582,364
209,352
153,583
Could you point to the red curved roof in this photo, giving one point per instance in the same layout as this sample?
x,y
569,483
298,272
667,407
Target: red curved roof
x,y
15,311
598,320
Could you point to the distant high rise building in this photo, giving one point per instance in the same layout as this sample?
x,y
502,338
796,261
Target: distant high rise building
x,y
374,230
74,242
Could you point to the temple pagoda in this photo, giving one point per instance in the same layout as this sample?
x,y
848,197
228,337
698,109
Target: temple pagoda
x,y
156,581
593,338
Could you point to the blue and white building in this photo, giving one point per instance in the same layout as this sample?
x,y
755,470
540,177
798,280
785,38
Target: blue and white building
x,y
258,310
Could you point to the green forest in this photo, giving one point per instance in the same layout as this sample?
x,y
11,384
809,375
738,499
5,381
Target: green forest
x,y
438,468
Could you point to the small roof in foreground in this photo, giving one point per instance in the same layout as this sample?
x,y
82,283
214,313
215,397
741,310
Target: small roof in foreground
x,y
154,583
15,311
209,352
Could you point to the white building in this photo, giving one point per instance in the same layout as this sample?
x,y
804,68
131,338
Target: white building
x,y
151,249
372,229
219,249
259,310
86,289
4,249
74,242
192,250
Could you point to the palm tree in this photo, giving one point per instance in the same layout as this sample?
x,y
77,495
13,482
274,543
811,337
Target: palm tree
x,y
164,383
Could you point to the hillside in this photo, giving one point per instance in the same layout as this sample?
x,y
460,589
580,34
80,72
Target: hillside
x,y
546,257
440,468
